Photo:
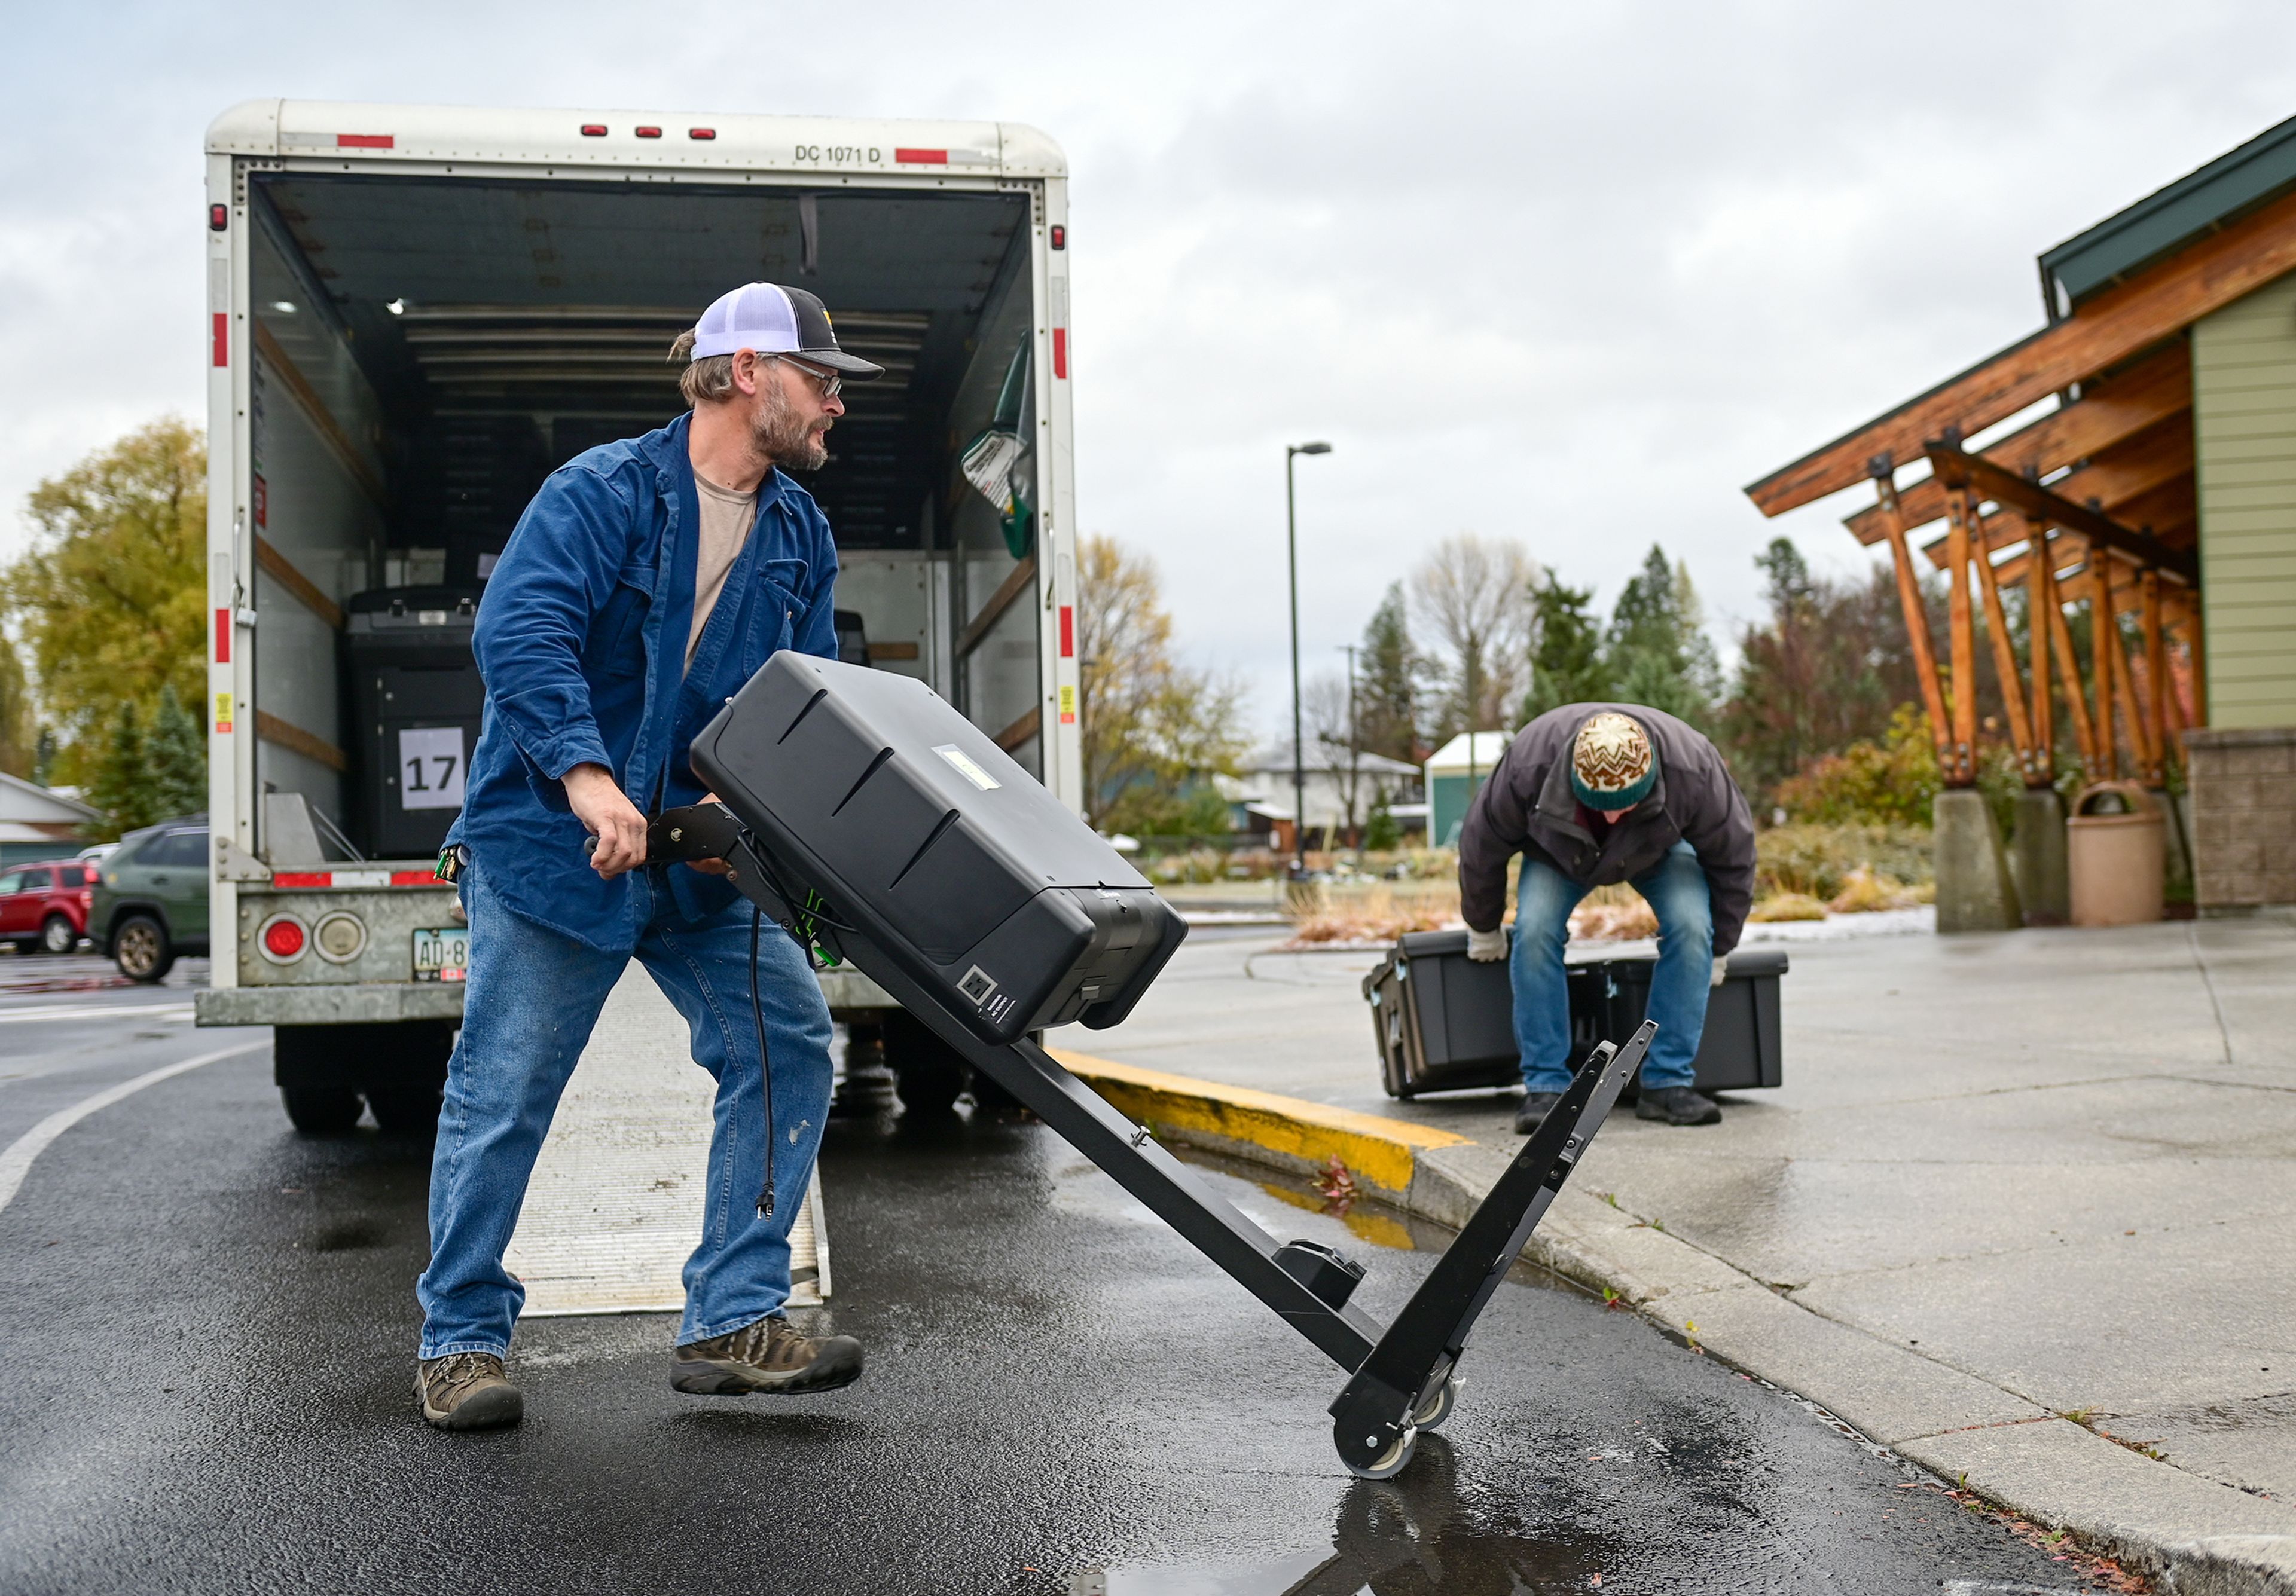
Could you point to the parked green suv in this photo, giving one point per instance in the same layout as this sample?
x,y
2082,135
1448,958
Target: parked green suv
x,y
151,902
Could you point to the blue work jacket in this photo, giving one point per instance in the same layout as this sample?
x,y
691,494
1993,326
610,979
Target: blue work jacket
x,y
581,640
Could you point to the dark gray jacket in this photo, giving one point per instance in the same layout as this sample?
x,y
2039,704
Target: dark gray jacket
x,y
1527,808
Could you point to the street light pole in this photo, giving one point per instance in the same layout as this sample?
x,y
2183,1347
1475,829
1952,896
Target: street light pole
x,y
1355,749
1298,752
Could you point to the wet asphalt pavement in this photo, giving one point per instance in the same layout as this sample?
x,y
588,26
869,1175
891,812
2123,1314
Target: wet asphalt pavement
x,y
209,1326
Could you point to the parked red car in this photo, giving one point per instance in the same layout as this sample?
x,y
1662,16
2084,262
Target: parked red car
x,y
45,906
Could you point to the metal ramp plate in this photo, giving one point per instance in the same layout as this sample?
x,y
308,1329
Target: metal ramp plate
x,y
615,1205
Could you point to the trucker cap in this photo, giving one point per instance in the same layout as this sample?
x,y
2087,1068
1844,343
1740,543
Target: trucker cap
x,y
773,320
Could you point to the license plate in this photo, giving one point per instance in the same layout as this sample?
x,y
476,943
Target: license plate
x,y
442,953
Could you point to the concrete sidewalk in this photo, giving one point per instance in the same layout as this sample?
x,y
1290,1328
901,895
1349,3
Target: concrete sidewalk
x,y
2025,1212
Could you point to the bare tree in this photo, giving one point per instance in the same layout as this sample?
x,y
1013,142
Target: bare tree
x,y
1331,736
1476,594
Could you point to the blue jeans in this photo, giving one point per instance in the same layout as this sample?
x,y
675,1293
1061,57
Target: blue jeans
x,y
1676,889
534,996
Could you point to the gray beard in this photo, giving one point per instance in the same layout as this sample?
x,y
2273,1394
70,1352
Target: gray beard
x,y
778,435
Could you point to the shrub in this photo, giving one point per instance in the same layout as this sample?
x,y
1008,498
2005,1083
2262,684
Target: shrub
x,y
1787,905
1816,861
1891,783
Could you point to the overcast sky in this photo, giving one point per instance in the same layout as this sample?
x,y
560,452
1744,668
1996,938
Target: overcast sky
x,y
1569,274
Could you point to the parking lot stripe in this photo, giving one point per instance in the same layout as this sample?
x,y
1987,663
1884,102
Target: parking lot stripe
x,y
16,1160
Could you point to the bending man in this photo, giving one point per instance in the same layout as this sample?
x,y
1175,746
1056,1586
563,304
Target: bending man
x,y
1589,795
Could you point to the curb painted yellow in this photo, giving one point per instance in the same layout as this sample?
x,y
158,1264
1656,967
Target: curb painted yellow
x,y
1383,1152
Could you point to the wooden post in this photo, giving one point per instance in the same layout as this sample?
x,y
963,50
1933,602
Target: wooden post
x,y
2004,654
2142,752
1917,617
2156,671
2196,643
2040,604
1961,624
2076,695
2103,643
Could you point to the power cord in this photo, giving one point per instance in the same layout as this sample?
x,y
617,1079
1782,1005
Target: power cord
x,y
764,1063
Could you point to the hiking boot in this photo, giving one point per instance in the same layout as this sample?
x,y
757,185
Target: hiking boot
x,y
1534,1108
1677,1105
467,1390
769,1355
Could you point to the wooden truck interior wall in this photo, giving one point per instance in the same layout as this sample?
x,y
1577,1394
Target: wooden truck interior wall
x,y
426,352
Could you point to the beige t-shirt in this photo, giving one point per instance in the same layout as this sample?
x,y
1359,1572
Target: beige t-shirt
x,y
726,517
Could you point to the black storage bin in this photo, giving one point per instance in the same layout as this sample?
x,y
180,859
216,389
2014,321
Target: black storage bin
x,y
1444,1023
1739,1049
415,701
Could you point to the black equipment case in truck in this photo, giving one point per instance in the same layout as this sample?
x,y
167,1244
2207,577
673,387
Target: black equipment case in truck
x,y
1446,1023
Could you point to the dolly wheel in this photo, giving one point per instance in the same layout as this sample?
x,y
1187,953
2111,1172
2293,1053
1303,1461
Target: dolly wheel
x,y
1431,1413
1388,1464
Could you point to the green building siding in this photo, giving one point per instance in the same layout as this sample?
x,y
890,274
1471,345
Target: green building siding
x,y
2244,451
1448,799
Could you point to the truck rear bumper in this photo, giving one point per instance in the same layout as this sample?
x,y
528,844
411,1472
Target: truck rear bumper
x,y
329,1005
424,1000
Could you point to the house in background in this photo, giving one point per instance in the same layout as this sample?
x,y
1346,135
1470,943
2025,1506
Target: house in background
x,y
1455,773
38,822
1260,794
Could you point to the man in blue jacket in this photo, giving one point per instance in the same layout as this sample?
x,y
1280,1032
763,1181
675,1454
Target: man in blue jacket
x,y
646,583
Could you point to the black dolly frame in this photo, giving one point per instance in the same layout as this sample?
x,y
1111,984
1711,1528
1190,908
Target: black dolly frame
x,y
1401,1377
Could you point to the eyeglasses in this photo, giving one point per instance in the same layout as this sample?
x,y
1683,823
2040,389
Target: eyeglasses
x,y
829,382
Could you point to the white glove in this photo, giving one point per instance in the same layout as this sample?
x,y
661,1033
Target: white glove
x,y
1721,970
1485,946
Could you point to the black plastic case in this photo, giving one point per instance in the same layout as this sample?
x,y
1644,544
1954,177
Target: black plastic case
x,y
1444,1023
934,844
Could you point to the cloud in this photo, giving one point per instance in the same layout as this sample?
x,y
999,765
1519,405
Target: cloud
x,y
1569,274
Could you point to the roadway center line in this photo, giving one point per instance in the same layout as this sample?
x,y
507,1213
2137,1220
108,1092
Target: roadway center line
x,y
53,1012
16,1161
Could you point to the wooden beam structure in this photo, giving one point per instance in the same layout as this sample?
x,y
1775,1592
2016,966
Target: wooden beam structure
x,y
1974,474
2076,703
2005,666
1917,620
1961,631
2142,485
2155,392
2156,669
2104,331
2040,604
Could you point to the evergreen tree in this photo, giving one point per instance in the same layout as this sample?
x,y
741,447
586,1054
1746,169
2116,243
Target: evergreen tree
x,y
1391,684
118,787
43,756
1657,651
1825,670
1566,665
176,761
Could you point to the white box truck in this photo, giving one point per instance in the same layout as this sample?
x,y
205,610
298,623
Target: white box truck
x,y
416,313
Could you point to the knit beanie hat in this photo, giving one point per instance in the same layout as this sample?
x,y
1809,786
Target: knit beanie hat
x,y
1613,765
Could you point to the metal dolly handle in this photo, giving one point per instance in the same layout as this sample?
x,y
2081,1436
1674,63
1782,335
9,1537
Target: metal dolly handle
x,y
1402,1374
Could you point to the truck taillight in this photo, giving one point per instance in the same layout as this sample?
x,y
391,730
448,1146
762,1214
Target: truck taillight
x,y
1060,236
219,217
282,938
704,133
341,936
649,133
594,130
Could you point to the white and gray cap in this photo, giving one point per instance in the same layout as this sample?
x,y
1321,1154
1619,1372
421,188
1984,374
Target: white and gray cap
x,y
775,320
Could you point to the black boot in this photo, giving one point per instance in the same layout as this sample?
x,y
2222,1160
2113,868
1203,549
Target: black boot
x,y
1534,1108
1678,1105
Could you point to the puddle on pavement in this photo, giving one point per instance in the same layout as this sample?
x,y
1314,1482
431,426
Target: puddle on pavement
x,y
1411,1534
